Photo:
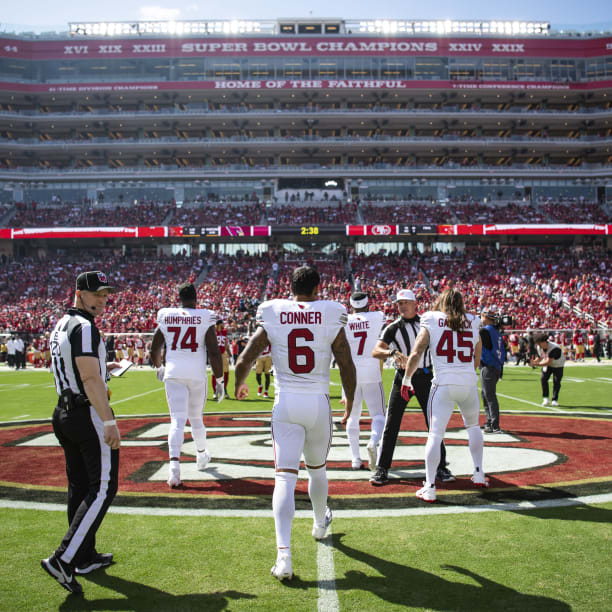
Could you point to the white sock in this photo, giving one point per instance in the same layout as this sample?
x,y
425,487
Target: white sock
x,y
352,432
198,433
283,507
476,442
432,458
378,424
176,435
174,468
317,490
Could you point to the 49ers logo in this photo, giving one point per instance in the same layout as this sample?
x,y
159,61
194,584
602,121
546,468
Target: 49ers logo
x,y
381,230
540,449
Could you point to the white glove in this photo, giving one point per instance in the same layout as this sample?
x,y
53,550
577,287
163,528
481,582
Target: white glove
x,y
220,389
159,372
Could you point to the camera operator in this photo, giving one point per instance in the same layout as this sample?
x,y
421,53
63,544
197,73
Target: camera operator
x,y
491,367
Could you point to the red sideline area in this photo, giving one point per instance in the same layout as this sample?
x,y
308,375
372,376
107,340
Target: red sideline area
x,y
582,445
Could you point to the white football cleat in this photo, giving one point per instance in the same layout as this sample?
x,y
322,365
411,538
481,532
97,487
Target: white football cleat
x,y
203,459
479,480
356,464
545,401
427,493
555,403
372,451
282,569
319,532
174,475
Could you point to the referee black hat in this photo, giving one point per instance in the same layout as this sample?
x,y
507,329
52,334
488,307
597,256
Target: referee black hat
x,y
93,281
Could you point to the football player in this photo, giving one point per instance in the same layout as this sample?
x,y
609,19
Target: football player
x,y
303,333
263,365
188,335
362,331
452,336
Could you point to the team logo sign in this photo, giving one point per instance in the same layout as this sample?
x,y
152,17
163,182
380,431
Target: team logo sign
x,y
555,451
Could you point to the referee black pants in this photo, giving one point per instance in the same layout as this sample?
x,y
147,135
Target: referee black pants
x,y
395,411
92,468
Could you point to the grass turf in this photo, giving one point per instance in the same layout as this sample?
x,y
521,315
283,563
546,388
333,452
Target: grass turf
x,y
29,394
553,560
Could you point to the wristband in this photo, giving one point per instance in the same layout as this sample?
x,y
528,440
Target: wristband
x,y
220,381
393,351
110,422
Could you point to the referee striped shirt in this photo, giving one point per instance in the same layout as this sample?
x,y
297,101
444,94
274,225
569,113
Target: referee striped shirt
x,y
75,335
401,335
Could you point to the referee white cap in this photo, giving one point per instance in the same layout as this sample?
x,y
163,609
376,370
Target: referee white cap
x,y
405,294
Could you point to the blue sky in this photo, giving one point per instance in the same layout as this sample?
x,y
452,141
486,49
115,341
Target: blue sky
x,y
564,14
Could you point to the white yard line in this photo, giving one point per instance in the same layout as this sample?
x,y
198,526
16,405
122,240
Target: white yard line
x,y
517,399
21,416
425,509
326,575
127,399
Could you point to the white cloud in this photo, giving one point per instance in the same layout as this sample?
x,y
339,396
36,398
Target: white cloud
x,y
159,13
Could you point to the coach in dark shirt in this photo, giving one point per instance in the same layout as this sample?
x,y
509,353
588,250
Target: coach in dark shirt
x,y
396,341
85,426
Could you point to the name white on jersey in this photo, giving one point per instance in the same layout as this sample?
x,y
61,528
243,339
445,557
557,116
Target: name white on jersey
x,y
452,352
184,331
301,335
362,332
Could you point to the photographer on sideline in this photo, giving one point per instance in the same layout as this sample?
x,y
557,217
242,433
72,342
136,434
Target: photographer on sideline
x,y
491,367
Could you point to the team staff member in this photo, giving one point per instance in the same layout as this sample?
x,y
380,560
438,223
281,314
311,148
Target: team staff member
x,y
397,341
86,428
551,361
491,368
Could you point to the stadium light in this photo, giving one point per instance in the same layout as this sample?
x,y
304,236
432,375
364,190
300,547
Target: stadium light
x,y
173,27
387,26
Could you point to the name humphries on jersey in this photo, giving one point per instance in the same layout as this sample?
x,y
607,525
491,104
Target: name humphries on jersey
x,y
182,320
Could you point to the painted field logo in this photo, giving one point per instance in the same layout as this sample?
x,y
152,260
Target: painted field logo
x,y
540,450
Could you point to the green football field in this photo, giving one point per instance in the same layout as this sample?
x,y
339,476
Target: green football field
x,y
548,558
30,394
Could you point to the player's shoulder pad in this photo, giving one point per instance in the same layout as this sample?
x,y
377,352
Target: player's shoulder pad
x,y
338,310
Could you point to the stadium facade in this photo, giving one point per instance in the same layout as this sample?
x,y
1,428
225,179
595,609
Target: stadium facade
x,y
367,110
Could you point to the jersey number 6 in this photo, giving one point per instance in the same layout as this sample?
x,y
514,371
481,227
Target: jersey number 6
x,y
295,351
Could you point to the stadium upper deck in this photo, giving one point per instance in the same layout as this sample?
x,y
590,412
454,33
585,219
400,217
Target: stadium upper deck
x,y
409,108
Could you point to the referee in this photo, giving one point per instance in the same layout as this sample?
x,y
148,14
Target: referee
x,y
85,426
396,341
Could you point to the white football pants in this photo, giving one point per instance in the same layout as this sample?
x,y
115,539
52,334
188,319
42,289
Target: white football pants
x,y
186,399
301,424
442,400
373,394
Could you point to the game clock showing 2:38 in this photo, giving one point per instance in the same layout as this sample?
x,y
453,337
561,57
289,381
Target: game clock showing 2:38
x,y
309,231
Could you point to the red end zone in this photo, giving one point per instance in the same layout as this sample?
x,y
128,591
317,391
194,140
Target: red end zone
x,y
575,451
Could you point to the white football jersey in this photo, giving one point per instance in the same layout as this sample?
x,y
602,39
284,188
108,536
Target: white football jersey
x,y
362,332
301,335
452,352
184,330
